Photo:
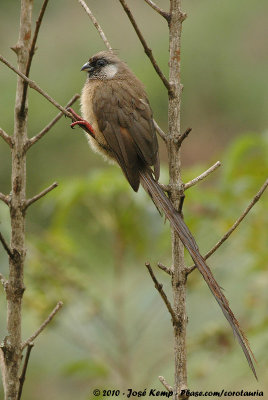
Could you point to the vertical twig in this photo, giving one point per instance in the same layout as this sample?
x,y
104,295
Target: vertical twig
x,y
179,269
31,53
24,369
96,24
147,50
11,347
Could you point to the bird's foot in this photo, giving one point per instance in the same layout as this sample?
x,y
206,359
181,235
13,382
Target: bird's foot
x,y
76,117
81,122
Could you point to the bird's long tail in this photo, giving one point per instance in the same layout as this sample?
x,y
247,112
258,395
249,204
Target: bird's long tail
x,y
163,203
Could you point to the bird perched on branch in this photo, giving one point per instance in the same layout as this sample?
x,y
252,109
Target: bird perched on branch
x,y
119,122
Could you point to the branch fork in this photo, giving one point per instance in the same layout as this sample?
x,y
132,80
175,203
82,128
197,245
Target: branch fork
x,y
8,139
39,195
163,13
159,287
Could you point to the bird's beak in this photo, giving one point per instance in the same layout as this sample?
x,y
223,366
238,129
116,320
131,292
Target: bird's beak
x,y
87,67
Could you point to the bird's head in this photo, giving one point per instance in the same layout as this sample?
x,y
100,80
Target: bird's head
x,y
103,65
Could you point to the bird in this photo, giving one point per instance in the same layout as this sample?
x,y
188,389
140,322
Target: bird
x,y
118,120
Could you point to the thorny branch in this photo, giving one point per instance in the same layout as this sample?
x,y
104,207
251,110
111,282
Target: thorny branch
x,y
147,50
42,327
235,225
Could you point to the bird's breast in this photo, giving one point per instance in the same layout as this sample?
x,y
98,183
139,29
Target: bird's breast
x,y
87,97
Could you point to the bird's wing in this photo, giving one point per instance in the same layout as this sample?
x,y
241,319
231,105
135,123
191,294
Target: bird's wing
x,y
126,123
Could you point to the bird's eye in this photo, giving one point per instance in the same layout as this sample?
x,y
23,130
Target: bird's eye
x,y
101,63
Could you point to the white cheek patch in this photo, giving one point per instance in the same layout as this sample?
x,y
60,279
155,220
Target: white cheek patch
x,y
110,71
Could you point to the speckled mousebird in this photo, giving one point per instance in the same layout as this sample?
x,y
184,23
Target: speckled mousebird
x,y
118,119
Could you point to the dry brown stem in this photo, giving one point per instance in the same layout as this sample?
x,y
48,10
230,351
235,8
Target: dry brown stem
x,y
24,369
202,176
6,137
160,289
164,268
182,137
5,245
37,88
47,128
147,50
11,348
42,327
4,198
96,24
165,384
40,195
175,181
160,11
31,52
11,344
160,132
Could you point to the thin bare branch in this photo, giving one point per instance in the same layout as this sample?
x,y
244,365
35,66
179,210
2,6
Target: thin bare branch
x,y
159,287
166,188
183,137
147,50
235,225
4,198
47,128
5,245
31,52
24,369
40,195
163,381
164,14
34,86
42,327
160,132
96,24
202,176
8,139
164,268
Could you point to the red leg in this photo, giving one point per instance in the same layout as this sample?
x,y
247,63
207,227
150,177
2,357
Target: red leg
x,y
81,122
76,116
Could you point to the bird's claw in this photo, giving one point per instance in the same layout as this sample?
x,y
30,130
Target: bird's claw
x,y
85,125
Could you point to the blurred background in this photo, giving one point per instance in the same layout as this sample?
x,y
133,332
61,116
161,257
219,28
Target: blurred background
x,y
88,240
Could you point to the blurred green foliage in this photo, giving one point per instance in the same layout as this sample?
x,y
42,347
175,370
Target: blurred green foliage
x,y
114,331
88,239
